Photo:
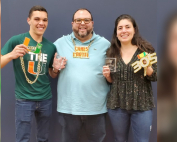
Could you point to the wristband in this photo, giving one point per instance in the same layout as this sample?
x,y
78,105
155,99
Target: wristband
x,y
55,72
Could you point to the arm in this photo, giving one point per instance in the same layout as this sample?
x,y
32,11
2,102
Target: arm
x,y
152,72
5,59
53,72
18,51
106,74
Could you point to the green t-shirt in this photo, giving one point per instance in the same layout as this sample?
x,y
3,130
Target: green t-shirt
x,y
40,90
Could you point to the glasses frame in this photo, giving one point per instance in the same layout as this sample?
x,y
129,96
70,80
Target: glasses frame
x,y
83,20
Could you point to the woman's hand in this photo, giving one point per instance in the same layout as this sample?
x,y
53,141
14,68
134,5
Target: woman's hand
x,y
106,73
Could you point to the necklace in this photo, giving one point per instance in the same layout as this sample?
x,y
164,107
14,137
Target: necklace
x,y
81,51
38,68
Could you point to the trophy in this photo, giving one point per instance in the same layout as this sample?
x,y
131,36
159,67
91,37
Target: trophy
x,y
149,60
61,62
111,62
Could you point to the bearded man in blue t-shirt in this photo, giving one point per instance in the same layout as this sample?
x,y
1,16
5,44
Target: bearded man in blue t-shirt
x,y
81,88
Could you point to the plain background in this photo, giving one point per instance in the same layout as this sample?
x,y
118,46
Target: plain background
x,y
60,12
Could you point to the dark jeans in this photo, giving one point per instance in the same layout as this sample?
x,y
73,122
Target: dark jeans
x,y
24,113
94,126
140,121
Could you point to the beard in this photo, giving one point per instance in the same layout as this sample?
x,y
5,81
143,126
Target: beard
x,y
83,35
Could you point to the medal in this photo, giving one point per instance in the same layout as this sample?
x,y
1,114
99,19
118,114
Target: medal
x,y
81,51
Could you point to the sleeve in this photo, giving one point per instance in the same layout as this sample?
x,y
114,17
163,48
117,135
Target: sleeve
x,y
9,46
153,77
51,61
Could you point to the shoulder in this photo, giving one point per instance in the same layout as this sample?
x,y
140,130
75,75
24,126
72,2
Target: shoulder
x,y
62,39
12,42
105,40
48,43
102,40
18,37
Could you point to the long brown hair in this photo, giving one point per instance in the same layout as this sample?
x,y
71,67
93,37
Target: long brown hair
x,y
143,45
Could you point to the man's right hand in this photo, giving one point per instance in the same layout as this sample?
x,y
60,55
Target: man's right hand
x,y
18,51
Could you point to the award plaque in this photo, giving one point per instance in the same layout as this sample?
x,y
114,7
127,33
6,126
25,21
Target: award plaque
x,y
111,62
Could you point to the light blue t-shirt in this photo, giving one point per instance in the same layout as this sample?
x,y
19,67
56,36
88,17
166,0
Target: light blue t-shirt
x,y
82,89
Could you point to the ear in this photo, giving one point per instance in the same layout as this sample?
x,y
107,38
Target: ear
x,y
72,23
28,21
92,22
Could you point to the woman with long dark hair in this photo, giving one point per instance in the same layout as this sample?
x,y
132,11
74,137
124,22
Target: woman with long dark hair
x,y
130,100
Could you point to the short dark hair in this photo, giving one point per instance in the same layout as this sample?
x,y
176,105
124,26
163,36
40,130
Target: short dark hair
x,y
36,8
82,9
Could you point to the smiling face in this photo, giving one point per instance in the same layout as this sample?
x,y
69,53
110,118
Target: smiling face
x,y
125,31
38,23
82,30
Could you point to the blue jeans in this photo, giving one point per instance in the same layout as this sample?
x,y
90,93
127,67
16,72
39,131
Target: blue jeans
x,y
140,121
94,126
25,111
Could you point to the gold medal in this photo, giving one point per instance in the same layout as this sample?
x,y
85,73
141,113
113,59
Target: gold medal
x,y
81,51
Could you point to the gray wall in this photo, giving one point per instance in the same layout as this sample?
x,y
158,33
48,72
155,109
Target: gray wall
x,y
14,15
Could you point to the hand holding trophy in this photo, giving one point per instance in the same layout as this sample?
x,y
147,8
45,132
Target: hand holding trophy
x,y
111,63
146,60
109,67
59,62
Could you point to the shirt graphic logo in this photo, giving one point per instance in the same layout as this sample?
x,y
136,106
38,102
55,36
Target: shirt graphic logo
x,y
32,64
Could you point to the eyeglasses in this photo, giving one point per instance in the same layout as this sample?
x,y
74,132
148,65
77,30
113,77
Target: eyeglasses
x,y
79,21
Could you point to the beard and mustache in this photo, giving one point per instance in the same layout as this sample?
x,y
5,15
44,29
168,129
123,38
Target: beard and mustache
x,y
83,35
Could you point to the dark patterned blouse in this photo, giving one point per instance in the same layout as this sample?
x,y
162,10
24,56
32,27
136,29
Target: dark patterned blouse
x,y
129,90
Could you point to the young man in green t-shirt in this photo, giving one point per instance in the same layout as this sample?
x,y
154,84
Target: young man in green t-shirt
x,y
32,64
